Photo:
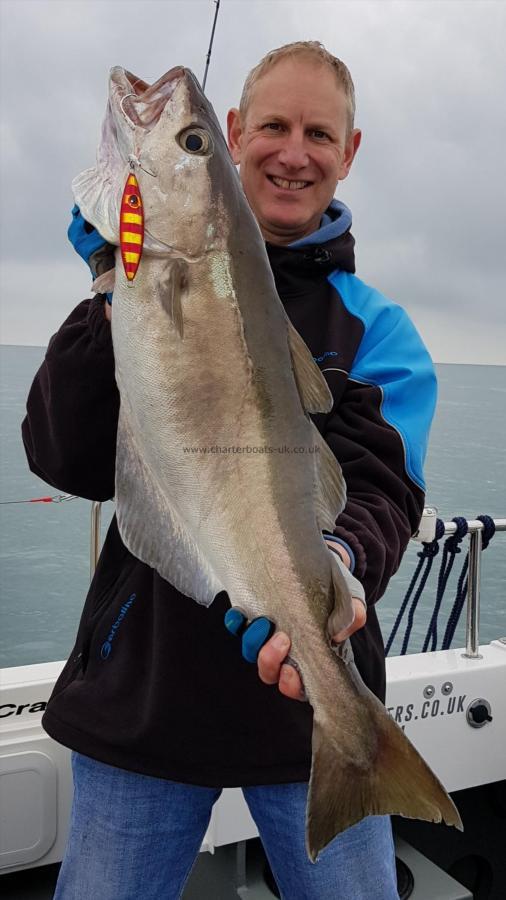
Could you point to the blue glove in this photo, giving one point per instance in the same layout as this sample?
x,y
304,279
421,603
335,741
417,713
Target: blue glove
x,y
253,635
90,245
84,238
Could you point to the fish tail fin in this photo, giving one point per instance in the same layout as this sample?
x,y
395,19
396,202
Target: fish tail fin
x,y
398,782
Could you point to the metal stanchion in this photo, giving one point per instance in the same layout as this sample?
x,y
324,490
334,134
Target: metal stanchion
x,y
473,597
96,511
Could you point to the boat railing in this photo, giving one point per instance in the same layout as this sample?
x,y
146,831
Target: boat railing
x,y
473,591
96,518
475,527
425,534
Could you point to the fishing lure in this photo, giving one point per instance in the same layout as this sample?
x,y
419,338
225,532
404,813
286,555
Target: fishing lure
x,y
131,233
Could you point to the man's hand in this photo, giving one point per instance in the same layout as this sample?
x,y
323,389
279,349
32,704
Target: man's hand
x,y
271,666
84,238
93,248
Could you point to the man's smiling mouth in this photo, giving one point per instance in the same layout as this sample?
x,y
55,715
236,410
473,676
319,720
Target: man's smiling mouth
x,y
288,185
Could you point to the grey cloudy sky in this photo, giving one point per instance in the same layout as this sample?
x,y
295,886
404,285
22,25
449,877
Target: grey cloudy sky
x,y
427,189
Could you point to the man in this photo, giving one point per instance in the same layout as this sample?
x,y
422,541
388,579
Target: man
x,y
289,171
174,713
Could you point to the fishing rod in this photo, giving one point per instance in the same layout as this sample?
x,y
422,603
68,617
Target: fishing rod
x,y
208,57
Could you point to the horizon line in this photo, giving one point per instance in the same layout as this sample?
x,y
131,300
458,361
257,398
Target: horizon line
x,y
496,365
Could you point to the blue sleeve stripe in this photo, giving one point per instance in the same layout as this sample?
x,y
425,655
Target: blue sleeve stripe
x,y
392,357
336,540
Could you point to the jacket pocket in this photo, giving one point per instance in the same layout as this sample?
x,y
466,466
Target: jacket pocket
x,y
115,590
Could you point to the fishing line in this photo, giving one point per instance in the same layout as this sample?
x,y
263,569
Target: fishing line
x,y
56,498
208,57
135,162
122,108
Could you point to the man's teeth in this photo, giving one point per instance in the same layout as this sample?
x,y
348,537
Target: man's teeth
x,y
289,185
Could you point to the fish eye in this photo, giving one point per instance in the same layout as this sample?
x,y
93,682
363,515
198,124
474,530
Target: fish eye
x,y
133,200
195,141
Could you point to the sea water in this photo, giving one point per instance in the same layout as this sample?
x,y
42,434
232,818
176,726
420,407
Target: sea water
x,y
45,547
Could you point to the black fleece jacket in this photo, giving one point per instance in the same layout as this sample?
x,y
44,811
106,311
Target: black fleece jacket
x,y
155,684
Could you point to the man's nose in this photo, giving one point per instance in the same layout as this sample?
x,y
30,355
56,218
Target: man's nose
x,y
293,153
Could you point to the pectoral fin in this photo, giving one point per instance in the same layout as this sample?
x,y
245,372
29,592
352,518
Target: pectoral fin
x,y
151,528
104,283
172,289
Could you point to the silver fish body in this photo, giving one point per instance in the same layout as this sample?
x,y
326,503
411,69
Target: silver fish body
x,y
222,480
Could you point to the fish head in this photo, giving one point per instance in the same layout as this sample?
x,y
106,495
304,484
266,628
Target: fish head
x,y
168,134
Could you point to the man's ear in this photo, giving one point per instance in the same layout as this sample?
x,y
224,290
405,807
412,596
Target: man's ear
x,y
352,145
234,134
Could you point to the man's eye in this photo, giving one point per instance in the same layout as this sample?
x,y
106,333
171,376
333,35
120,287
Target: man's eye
x,y
320,135
272,126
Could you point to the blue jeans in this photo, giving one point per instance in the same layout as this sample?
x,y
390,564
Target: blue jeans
x,y
134,837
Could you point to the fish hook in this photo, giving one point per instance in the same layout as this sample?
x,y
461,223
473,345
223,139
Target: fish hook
x,y
135,162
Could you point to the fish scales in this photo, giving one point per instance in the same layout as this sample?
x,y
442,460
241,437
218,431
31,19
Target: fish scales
x,y
207,358
159,398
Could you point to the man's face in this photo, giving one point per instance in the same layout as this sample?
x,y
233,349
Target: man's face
x,y
293,147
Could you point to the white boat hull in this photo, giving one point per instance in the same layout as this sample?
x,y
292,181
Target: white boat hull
x,y
429,694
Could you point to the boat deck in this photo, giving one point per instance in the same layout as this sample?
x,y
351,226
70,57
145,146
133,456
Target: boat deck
x,y
217,877
214,877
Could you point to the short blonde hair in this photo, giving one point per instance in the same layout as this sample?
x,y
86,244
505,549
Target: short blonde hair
x,y
312,50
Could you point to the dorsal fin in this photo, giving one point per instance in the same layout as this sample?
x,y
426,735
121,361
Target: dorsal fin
x,y
331,488
314,391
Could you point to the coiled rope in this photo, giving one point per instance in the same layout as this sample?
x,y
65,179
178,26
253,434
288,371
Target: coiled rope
x,y
426,558
450,549
460,598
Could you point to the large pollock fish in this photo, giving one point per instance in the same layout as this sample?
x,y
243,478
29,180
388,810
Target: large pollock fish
x,y
213,380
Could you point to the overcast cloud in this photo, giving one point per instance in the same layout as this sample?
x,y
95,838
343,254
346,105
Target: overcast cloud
x,y
427,190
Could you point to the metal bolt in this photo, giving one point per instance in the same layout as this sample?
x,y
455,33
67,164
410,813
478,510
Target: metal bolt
x,y
447,688
429,691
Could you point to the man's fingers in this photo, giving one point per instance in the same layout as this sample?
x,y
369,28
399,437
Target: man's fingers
x,y
273,670
290,683
271,656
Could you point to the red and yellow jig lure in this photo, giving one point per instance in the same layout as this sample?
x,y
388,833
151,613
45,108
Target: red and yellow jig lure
x,y
131,232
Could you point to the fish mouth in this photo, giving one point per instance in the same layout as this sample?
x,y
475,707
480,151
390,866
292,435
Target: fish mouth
x,y
142,104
